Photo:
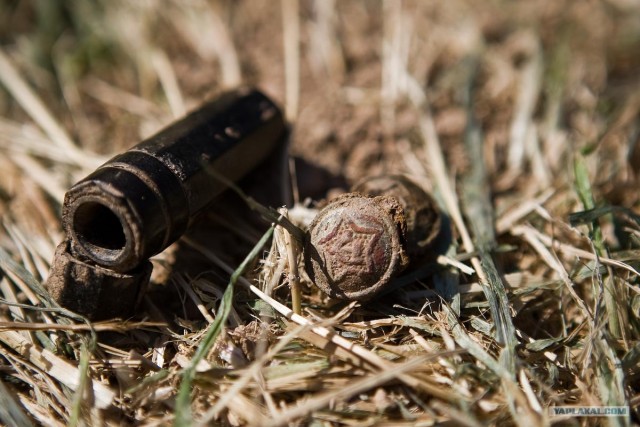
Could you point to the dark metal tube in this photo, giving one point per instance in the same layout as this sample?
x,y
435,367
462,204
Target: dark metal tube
x,y
141,201
93,291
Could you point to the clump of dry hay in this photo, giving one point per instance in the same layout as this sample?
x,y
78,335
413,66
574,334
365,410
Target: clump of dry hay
x,y
535,303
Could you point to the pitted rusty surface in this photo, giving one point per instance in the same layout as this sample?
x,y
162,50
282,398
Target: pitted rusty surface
x,y
93,291
355,245
422,215
152,192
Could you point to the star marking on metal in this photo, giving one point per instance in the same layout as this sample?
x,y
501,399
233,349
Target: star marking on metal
x,y
352,248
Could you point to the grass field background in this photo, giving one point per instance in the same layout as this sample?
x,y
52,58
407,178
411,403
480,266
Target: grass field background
x,y
522,118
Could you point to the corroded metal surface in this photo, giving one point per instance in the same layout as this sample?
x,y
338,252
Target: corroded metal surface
x,y
361,240
94,291
421,212
141,201
355,245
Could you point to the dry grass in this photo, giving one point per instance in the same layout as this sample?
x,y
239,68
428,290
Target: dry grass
x,y
521,117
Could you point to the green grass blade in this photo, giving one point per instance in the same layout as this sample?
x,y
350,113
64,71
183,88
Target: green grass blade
x,y
78,397
8,264
11,412
607,291
479,210
183,417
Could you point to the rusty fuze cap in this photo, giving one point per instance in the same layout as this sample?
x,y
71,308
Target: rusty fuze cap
x,y
355,245
361,240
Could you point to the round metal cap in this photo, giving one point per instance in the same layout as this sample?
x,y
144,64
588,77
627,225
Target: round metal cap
x,y
355,245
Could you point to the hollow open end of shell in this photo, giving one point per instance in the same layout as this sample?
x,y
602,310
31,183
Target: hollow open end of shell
x,y
103,226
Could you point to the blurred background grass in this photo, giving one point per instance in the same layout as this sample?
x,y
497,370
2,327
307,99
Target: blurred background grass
x,y
372,87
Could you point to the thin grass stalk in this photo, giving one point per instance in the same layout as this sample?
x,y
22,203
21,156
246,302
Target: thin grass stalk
x,y
183,400
291,44
78,398
479,211
11,413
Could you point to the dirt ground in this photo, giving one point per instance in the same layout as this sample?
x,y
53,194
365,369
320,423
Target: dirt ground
x,y
521,118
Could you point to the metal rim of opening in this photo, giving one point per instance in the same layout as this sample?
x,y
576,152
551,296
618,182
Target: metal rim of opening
x,y
101,231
